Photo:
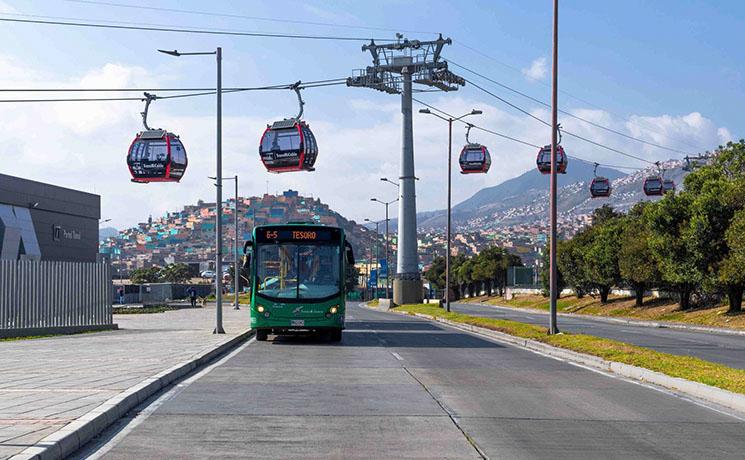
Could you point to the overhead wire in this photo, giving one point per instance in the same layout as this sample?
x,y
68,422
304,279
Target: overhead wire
x,y
310,84
174,96
545,104
563,131
520,141
584,101
505,136
71,22
241,16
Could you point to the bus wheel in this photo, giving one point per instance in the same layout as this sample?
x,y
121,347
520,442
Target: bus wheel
x,y
335,335
261,335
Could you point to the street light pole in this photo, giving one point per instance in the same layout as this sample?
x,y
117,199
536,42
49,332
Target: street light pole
x,y
377,245
387,277
553,327
450,121
388,265
218,185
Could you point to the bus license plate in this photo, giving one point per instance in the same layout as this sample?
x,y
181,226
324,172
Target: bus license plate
x,y
297,322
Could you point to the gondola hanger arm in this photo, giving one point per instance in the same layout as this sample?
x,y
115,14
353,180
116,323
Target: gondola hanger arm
x,y
296,87
148,99
468,131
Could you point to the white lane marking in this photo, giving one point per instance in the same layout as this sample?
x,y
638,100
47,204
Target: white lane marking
x,y
701,403
397,356
132,423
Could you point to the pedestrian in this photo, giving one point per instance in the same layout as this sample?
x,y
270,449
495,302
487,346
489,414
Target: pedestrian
x,y
192,296
120,293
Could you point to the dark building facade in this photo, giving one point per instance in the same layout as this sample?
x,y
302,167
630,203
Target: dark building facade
x,y
44,222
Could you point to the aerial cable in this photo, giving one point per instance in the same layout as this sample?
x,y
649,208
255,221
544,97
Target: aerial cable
x,y
538,101
310,84
519,141
240,16
174,96
577,136
649,127
88,24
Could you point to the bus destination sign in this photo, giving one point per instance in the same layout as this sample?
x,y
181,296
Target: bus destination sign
x,y
280,235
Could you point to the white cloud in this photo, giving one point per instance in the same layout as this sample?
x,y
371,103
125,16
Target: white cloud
x,y
537,70
83,146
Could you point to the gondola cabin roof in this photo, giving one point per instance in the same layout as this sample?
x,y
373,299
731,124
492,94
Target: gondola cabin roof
x,y
543,160
156,155
653,186
474,159
600,187
288,145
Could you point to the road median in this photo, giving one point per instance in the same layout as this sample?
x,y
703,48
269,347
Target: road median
x,y
692,376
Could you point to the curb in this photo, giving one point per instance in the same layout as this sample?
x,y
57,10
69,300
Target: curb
x,y
77,433
630,322
697,390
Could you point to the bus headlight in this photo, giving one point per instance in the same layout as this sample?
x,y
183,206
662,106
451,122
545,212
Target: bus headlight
x,y
334,309
260,309
266,314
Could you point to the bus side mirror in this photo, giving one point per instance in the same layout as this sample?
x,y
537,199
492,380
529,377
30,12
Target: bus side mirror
x,y
349,252
247,254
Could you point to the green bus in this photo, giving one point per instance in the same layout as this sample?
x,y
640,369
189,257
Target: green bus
x,y
297,274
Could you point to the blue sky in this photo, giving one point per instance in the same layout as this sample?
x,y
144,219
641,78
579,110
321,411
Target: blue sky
x,y
675,68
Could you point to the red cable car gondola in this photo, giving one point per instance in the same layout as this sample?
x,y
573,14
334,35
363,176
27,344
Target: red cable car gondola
x,y
289,144
474,158
156,155
600,186
543,160
653,186
668,185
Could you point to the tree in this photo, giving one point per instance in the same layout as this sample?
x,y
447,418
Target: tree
x,y
145,275
732,271
435,274
174,273
464,276
486,266
571,261
601,256
546,273
603,214
718,193
636,262
673,245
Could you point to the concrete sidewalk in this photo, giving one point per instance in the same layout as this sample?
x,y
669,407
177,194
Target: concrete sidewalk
x,y
45,384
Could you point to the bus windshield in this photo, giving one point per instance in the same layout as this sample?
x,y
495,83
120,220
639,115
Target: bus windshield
x,y
298,271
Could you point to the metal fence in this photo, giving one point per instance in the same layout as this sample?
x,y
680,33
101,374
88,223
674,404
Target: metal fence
x,y
54,295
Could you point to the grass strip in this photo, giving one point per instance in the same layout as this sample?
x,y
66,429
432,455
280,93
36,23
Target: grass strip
x,y
685,367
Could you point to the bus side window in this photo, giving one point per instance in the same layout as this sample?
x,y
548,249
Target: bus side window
x,y
349,252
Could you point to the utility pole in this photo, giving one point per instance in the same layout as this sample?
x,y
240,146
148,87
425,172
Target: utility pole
x,y
396,66
554,295
218,184
448,250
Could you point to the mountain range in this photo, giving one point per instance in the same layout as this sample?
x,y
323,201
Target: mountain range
x,y
524,199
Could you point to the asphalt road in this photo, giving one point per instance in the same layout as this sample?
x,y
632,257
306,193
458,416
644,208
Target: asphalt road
x,y
401,387
719,348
